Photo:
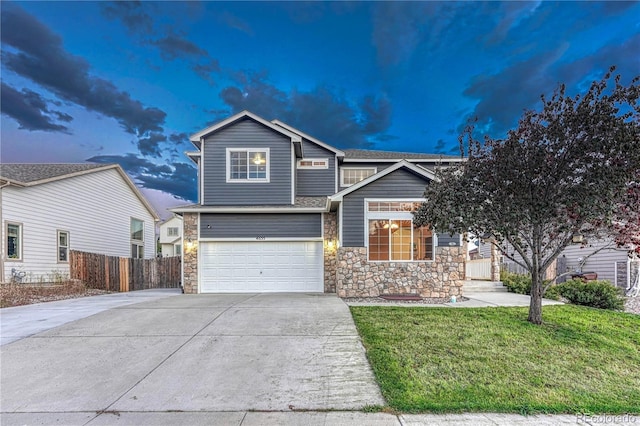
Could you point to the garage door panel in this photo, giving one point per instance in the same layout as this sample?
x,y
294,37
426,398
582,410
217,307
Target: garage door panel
x,y
261,266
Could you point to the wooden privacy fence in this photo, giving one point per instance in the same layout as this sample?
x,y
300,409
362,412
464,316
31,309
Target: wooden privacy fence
x,y
122,273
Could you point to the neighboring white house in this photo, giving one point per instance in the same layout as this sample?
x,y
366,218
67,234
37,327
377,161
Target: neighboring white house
x,y
602,257
49,209
170,238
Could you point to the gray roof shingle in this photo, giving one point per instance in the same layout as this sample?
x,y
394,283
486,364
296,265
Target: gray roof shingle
x,y
29,172
300,203
365,154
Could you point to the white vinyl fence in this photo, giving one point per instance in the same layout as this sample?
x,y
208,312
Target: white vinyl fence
x,y
479,269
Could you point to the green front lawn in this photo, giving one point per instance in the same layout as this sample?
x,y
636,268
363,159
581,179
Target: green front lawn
x,y
582,360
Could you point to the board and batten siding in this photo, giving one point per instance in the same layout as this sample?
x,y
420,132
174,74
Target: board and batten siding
x,y
316,182
400,184
267,225
246,134
95,208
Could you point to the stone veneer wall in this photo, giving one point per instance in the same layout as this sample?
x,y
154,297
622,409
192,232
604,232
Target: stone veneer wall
x,y
330,233
357,277
190,253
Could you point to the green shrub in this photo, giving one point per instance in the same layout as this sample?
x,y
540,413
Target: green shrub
x,y
516,283
521,284
597,294
553,292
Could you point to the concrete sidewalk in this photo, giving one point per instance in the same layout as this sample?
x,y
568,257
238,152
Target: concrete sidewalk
x,y
476,300
280,418
19,322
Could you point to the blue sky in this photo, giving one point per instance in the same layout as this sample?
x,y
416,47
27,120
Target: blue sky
x,y
127,82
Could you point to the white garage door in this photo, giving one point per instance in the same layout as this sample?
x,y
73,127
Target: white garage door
x,y
264,266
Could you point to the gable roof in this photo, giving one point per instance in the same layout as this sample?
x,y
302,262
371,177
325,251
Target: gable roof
x,y
400,164
196,137
374,155
32,174
338,152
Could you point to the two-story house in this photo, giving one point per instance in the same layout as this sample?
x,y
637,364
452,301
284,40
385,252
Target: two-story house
x,y
170,237
280,211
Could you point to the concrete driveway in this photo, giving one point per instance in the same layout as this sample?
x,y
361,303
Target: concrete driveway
x,y
190,354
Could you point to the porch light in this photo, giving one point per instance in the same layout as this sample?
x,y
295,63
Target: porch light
x,y
331,244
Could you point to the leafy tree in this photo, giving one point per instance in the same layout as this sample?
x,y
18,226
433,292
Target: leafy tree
x,y
571,168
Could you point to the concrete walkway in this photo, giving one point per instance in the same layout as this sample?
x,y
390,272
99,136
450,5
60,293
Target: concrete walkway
x,y
476,300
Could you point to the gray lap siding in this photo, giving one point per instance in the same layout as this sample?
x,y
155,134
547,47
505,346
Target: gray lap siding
x,y
316,182
263,225
246,134
401,184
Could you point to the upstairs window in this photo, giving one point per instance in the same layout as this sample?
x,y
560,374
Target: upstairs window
x,y
172,231
248,165
63,246
353,175
137,238
313,163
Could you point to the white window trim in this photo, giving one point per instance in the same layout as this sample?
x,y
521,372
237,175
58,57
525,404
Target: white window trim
x,y
169,234
342,169
58,246
313,166
393,216
267,153
134,241
20,241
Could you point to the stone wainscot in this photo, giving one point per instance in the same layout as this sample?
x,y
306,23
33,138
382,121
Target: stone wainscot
x,y
357,277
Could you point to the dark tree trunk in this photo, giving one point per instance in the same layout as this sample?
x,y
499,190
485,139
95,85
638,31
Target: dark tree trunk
x,y
535,307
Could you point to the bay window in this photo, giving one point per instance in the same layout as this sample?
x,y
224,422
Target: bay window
x,y
392,235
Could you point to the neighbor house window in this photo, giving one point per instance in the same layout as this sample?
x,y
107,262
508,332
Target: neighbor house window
x,y
353,175
14,241
137,238
392,235
313,163
63,246
248,165
177,250
172,232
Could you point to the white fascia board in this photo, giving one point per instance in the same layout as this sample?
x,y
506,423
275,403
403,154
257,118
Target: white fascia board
x,y
419,170
411,160
310,138
193,156
253,239
205,209
196,137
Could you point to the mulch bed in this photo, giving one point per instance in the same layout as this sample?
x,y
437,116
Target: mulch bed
x,y
409,301
27,294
